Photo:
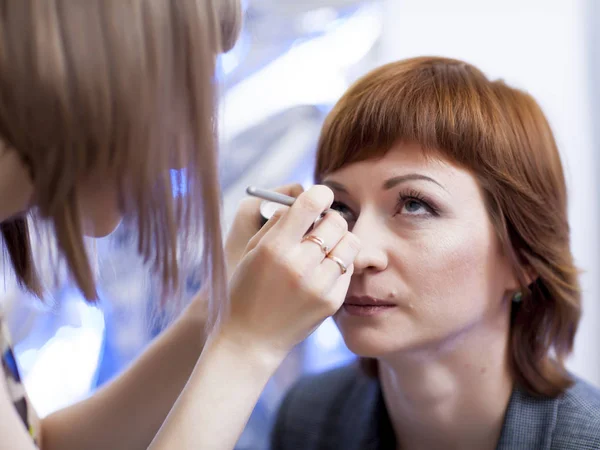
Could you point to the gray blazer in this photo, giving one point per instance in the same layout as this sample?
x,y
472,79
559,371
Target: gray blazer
x,y
344,410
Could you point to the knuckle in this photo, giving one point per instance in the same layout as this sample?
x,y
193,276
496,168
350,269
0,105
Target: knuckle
x,y
315,292
296,189
310,203
337,221
277,214
316,199
296,271
268,250
297,279
276,259
353,242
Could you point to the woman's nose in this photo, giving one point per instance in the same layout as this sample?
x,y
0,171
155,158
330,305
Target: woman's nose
x,y
372,256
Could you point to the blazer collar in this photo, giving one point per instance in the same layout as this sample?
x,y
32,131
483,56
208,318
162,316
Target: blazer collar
x,y
529,421
364,420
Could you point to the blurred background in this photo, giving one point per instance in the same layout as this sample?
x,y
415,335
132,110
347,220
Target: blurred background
x,y
293,61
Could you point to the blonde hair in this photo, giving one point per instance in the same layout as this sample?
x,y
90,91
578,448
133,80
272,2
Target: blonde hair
x,y
124,88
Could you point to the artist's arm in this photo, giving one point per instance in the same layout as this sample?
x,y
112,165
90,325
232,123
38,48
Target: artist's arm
x,y
281,291
127,413
238,360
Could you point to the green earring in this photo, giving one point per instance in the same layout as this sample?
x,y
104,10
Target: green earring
x,y
517,297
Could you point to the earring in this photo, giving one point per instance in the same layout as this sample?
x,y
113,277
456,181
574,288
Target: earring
x,y
517,297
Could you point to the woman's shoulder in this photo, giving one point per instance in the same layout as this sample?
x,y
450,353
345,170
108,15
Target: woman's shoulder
x,y
328,389
582,396
569,421
578,413
322,410
329,410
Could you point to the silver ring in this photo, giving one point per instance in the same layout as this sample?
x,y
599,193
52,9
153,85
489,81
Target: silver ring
x,y
318,241
339,262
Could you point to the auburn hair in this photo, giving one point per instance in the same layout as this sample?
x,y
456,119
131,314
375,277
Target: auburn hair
x,y
124,88
502,137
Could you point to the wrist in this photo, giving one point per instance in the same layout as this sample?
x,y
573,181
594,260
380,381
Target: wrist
x,y
256,353
196,312
190,326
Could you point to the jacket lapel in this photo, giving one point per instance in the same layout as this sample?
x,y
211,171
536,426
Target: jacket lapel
x,y
528,423
364,418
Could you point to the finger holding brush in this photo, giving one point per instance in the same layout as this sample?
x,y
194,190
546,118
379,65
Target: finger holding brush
x,y
247,222
301,270
273,201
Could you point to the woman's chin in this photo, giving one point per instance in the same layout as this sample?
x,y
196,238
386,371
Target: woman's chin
x,y
368,344
372,340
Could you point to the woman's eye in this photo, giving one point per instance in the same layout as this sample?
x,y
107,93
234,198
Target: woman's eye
x,y
414,207
344,211
410,205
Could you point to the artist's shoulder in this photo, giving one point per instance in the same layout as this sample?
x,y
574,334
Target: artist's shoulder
x,y
578,416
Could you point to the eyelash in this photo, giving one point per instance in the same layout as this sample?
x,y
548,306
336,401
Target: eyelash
x,y
403,198
416,196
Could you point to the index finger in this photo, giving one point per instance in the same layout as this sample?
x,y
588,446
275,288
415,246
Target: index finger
x,y
306,209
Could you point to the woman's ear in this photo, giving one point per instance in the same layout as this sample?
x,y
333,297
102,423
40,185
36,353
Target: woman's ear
x,y
531,275
526,277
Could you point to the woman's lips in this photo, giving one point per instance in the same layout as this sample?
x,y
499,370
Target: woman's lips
x,y
365,306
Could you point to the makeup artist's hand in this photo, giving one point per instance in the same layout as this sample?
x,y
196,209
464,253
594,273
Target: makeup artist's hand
x,y
284,286
247,223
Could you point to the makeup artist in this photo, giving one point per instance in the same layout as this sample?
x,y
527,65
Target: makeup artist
x,y
99,100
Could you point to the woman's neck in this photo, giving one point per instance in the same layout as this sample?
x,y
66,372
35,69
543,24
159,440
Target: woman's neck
x,y
16,188
451,398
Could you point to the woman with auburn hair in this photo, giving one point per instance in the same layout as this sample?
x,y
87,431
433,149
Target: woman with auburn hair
x,y
99,101
465,300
